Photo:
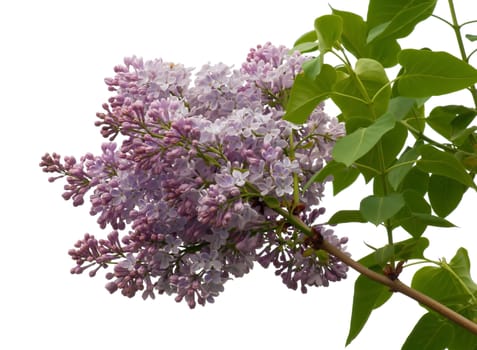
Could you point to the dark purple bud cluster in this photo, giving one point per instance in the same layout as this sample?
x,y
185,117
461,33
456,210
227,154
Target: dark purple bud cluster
x,y
188,185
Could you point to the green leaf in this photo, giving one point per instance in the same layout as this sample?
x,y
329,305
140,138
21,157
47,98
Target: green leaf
x,y
343,176
352,147
346,216
460,264
354,33
312,68
432,220
451,121
471,37
308,37
306,94
354,36
378,209
445,194
430,333
368,295
416,180
463,338
405,250
384,153
450,284
306,47
442,163
430,73
328,30
410,216
370,102
385,51
396,19
402,167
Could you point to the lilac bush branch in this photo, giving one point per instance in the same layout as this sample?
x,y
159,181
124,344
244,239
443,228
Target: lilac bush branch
x,y
394,285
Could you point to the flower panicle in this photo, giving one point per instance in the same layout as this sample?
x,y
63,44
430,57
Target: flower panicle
x,y
186,185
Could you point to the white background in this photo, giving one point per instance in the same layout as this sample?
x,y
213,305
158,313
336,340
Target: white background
x,y
54,56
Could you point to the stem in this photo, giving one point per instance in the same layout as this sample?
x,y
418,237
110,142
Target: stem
x,y
468,22
394,285
398,286
460,42
425,138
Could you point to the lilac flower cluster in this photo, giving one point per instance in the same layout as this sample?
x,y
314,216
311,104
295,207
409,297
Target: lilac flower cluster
x,y
203,161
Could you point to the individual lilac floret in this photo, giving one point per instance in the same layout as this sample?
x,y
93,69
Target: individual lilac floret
x,y
191,185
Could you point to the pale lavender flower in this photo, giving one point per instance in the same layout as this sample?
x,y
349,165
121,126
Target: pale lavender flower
x,y
185,186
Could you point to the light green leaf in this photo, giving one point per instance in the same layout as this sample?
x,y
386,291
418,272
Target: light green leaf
x,y
308,37
430,333
345,216
378,209
312,68
306,94
369,103
460,264
445,194
328,30
396,19
368,295
368,69
389,147
306,47
354,38
402,167
354,33
352,147
471,37
442,163
430,73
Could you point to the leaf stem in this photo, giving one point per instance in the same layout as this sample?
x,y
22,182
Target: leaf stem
x,y
394,285
446,266
428,139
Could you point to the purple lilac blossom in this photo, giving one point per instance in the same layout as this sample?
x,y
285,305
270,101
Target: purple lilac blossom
x,y
183,187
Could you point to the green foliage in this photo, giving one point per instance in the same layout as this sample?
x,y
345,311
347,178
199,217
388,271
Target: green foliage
x,y
430,333
442,163
396,19
352,147
452,285
416,183
344,216
369,295
428,73
328,31
379,209
452,122
307,93
444,202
